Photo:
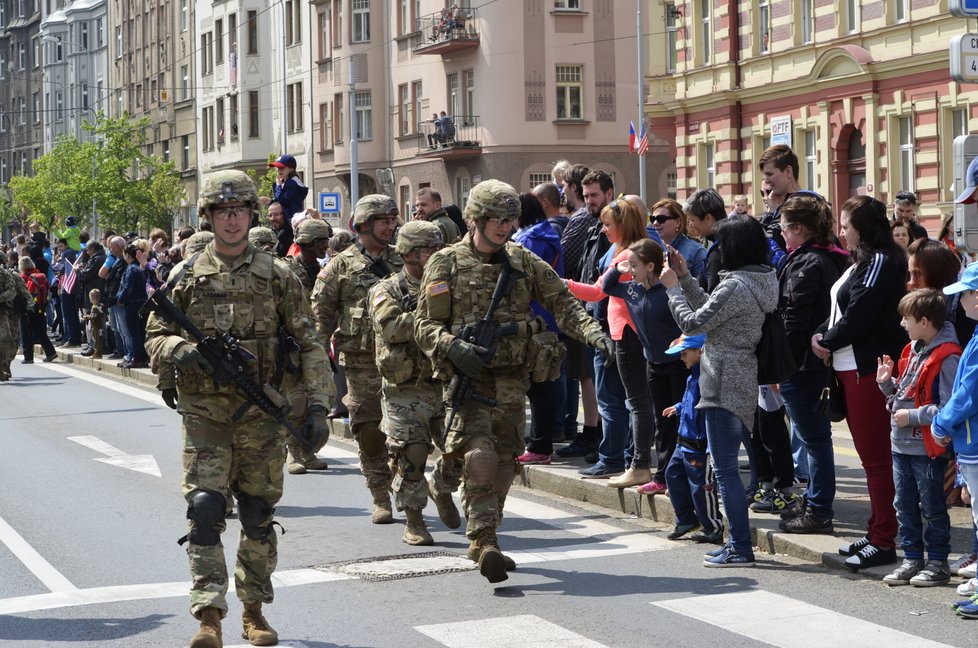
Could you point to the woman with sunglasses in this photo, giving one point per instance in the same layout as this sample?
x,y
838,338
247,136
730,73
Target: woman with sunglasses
x,y
669,221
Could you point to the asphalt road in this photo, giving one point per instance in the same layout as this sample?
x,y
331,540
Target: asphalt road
x,y
88,556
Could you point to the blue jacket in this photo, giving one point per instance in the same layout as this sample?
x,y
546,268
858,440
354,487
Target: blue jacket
x,y
959,416
292,195
650,313
132,292
693,252
692,422
541,239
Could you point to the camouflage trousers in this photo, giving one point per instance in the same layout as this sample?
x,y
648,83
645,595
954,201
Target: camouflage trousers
x,y
363,401
488,440
233,458
413,414
9,334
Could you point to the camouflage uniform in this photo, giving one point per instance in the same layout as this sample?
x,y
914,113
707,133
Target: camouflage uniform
x,y
455,291
339,301
222,455
263,238
11,285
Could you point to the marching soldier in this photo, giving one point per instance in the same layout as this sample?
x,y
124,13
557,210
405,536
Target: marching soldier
x,y
339,301
455,292
230,446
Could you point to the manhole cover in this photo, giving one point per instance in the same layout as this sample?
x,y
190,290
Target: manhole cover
x,y
385,568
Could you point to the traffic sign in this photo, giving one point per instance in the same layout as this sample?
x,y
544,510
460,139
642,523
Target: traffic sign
x,y
964,57
329,202
963,8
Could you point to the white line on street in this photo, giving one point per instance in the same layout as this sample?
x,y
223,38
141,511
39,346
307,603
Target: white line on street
x,y
524,631
786,622
42,569
115,457
114,385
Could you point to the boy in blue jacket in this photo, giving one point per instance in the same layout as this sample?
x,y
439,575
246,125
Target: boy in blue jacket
x,y
957,421
689,475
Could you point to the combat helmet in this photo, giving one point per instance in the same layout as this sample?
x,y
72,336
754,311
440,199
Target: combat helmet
x,y
312,230
492,199
197,242
226,186
418,234
262,238
373,205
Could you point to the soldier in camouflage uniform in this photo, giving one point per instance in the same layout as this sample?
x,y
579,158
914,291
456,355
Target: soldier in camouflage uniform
x,y
12,286
312,237
262,238
232,287
412,401
455,291
339,301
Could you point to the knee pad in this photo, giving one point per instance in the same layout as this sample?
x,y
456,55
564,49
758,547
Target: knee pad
x,y
253,512
206,514
411,461
481,465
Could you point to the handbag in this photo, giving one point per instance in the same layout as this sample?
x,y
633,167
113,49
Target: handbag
x,y
775,363
832,401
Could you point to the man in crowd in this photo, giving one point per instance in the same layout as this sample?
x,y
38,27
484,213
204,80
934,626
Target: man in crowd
x,y
111,273
427,206
549,197
905,208
68,289
280,225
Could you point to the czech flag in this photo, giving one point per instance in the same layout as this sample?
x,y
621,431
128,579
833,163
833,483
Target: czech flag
x,y
631,137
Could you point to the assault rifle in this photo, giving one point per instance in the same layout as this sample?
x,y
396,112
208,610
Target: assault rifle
x,y
483,333
229,360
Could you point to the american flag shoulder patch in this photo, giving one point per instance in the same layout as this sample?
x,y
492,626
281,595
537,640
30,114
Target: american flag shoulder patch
x,y
438,288
379,297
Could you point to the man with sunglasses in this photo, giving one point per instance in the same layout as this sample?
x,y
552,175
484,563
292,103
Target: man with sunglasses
x,y
456,289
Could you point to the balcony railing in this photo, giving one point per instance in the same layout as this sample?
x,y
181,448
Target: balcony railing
x,y
460,139
447,31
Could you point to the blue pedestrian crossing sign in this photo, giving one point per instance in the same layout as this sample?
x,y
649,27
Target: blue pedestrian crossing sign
x,y
963,8
329,202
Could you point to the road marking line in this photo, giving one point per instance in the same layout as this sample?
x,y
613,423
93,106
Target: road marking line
x,y
524,631
116,386
115,457
44,571
786,622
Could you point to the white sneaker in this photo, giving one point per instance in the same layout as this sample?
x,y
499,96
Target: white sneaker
x,y
969,587
969,571
964,560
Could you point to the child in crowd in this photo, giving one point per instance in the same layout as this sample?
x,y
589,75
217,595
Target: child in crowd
x,y
740,206
95,319
919,385
959,416
689,475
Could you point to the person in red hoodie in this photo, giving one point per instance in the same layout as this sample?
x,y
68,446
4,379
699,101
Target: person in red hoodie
x,y
32,323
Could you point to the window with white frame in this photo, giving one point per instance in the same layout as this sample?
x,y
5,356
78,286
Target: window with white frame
x,y
83,35
293,97
3,64
59,50
463,184
453,98
811,159
906,164
20,8
185,152
293,22
706,30
570,90
22,110
3,14
709,165
901,13
337,39
36,51
324,35
807,21
672,185
852,16
403,110
37,107
58,106
404,23
539,178
469,108
22,55
184,82
364,116
219,42
672,36
166,150
764,26
338,111
325,129
118,41
84,95
567,4
404,199
361,21
416,99
206,53
184,15
99,32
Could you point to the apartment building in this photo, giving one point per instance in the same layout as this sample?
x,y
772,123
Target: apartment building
x,y
525,84
859,89
20,87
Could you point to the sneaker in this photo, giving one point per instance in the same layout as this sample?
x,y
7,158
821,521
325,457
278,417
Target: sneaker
x,y
51,358
775,501
969,571
965,560
576,448
683,529
114,356
969,611
713,553
796,511
600,470
969,587
730,558
591,458
871,556
708,537
808,522
957,605
934,573
533,458
902,574
850,549
760,501
653,488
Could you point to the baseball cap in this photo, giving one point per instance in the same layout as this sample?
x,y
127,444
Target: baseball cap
x,y
282,161
968,280
688,342
971,177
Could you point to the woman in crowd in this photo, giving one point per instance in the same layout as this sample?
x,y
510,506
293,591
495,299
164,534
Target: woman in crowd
x,y
669,221
624,224
902,233
864,325
813,266
932,264
732,316
132,295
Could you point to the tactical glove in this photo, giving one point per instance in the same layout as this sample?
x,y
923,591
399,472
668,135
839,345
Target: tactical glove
x,y
315,431
466,357
170,397
606,347
189,361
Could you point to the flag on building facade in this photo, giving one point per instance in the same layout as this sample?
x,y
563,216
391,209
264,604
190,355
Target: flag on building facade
x,y
233,65
643,141
631,137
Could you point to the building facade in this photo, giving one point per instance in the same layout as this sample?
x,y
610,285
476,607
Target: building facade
x,y
21,108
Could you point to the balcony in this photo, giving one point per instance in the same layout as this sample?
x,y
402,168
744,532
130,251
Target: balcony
x,y
460,141
447,32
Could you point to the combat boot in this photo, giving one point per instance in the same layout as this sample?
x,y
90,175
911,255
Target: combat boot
x,y
209,635
475,551
294,466
256,628
415,531
447,511
485,550
383,511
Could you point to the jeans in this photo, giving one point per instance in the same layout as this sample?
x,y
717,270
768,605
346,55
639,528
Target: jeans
x,y
919,483
667,382
970,474
136,329
693,491
801,393
614,414
799,454
633,369
117,319
69,314
725,432
546,414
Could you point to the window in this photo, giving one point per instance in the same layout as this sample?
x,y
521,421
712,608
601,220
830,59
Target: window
x,y
184,18
404,23
539,178
36,51
672,31
118,41
325,129
404,199
185,157
252,32
453,98
959,122
901,13
22,111
293,107
58,106
20,8
764,26
3,62
84,95
361,21
59,50
233,105
206,53
570,87
462,186
99,32
37,108
232,33
807,21
906,170
567,4
139,95
83,35
364,116
706,31
207,128
219,42
3,171
469,107
184,82
166,151
219,127
852,16
253,127
416,103
403,110
3,14
293,22
324,34
338,118
22,55
811,159
337,24
709,165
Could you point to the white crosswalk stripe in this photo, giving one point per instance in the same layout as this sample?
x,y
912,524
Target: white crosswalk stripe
x,y
524,631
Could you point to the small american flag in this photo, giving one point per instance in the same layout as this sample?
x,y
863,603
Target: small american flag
x,y
68,278
643,142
